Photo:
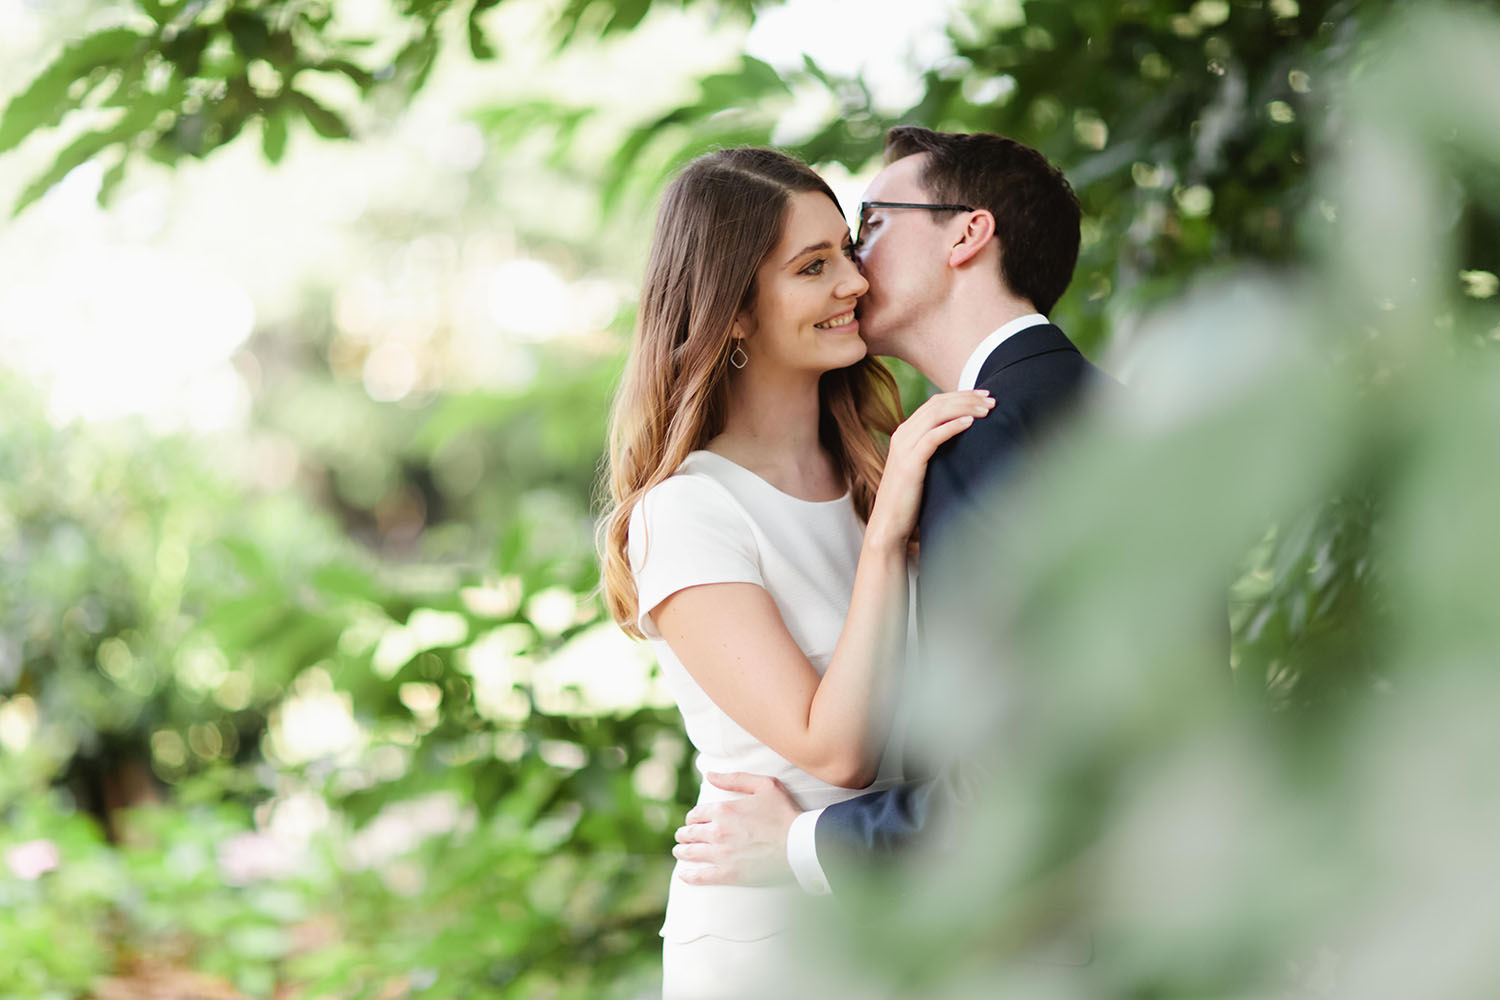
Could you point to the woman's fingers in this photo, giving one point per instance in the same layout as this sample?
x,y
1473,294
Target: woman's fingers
x,y
949,406
951,410
937,420
933,439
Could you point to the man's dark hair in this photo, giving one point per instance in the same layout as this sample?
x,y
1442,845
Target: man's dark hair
x,y
1036,212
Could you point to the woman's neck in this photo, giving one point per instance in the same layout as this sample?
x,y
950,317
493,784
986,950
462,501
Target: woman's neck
x,y
772,430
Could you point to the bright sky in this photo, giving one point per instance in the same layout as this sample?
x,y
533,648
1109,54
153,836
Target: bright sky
x,y
882,39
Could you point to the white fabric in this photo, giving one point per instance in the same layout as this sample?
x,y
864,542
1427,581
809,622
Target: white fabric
x,y
715,968
716,522
802,854
970,373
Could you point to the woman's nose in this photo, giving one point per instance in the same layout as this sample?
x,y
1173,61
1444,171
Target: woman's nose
x,y
854,280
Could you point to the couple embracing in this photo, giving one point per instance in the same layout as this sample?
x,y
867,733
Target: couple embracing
x,y
760,531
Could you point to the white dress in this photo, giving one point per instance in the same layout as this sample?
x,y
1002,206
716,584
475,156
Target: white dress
x,y
715,522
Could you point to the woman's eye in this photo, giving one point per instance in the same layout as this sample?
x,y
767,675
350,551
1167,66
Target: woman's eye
x,y
851,251
814,268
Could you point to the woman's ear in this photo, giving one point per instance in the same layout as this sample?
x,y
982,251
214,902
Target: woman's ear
x,y
744,325
978,233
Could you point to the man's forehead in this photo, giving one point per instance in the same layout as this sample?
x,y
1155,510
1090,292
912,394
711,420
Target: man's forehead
x,y
900,181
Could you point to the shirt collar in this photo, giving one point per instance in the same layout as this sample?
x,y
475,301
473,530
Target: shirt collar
x,y
970,373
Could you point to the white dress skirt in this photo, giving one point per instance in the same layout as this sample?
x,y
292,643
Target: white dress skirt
x,y
716,522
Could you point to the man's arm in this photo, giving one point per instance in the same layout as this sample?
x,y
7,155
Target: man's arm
x,y
874,825
763,838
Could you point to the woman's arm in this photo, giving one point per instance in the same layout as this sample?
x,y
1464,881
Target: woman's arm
x,y
732,640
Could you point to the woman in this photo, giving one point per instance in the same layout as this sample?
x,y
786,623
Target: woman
x,y
758,533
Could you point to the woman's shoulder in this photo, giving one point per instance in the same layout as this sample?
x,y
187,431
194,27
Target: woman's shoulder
x,y
693,484
692,515
692,496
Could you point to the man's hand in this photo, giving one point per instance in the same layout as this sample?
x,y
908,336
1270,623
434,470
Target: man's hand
x,y
740,842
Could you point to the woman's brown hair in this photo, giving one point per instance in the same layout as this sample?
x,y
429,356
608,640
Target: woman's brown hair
x,y
717,222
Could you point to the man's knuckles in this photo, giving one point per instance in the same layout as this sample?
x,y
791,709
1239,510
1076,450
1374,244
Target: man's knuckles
x,y
693,852
699,833
707,875
759,784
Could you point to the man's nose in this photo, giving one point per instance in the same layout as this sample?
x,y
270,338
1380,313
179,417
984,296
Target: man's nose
x,y
857,282
859,258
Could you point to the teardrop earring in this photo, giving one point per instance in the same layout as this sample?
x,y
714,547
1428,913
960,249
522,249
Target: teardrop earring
x,y
738,357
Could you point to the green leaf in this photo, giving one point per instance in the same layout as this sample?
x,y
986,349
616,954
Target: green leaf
x,y
159,12
815,71
46,101
457,414
249,559
1293,551
346,581
569,20
111,180
479,43
273,136
362,77
185,50
250,33
128,86
627,15
235,622
622,163
87,146
416,60
326,123
316,18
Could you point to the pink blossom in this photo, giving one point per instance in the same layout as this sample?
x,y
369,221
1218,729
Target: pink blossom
x,y
33,859
255,857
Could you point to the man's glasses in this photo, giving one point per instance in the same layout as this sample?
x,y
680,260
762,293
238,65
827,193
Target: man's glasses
x,y
865,206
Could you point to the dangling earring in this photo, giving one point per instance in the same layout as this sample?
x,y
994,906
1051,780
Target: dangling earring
x,y
738,357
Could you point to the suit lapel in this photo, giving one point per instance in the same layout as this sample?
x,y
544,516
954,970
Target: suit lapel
x,y
1027,344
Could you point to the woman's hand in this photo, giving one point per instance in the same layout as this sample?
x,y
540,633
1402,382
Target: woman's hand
x,y
899,496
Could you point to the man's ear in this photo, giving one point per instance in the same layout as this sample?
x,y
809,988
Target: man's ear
x,y
978,233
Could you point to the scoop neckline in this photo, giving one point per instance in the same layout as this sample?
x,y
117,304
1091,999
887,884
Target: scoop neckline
x,y
767,483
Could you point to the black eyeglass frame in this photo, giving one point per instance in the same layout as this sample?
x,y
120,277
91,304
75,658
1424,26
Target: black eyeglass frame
x,y
865,206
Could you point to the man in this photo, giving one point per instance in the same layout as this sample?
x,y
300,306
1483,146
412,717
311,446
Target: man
x,y
967,241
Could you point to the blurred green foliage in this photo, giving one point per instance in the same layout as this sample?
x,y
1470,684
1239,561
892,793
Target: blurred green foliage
x,y
308,737
1130,814
148,624
186,76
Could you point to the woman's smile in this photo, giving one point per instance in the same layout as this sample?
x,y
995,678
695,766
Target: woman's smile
x,y
839,322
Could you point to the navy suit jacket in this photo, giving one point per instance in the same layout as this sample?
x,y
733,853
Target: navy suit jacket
x,y
1035,376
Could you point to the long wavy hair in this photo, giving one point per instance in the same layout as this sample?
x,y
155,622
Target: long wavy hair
x,y
718,220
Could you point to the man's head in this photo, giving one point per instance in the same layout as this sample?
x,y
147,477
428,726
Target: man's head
x,y
1021,229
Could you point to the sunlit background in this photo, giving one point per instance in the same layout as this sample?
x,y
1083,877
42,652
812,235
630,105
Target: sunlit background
x,y
305,688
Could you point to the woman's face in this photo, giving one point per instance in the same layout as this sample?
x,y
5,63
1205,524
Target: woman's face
x,y
802,319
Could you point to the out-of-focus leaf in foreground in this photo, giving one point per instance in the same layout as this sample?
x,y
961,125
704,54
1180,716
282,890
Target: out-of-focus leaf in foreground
x,y
1134,810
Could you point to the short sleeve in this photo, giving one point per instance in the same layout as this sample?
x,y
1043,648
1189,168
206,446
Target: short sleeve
x,y
687,531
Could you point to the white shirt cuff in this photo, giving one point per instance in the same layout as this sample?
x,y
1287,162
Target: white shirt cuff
x,y
802,854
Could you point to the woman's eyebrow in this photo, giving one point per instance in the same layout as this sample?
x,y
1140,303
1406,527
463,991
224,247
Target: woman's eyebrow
x,y
825,245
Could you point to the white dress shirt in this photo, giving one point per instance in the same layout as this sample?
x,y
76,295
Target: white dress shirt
x,y
801,839
981,354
